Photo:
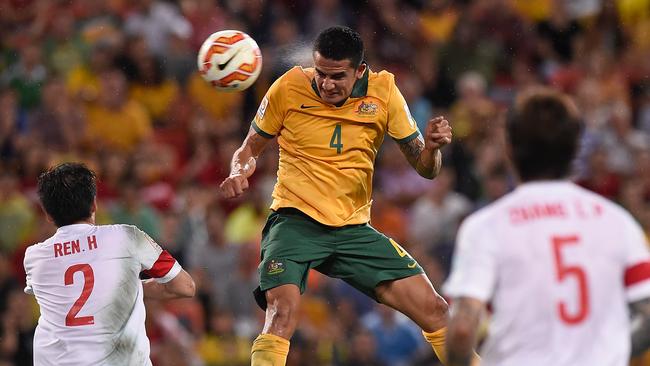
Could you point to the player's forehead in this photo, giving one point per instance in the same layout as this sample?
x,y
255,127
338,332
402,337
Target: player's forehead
x,y
330,67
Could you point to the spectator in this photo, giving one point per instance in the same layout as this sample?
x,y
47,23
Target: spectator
x,y
27,75
17,329
398,339
130,209
364,350
436,215
221,346
216,258
57,122
156,21
16,213
12,120
600,178
116,121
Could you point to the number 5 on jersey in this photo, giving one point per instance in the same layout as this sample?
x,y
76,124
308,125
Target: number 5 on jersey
x,y
565,272
335,141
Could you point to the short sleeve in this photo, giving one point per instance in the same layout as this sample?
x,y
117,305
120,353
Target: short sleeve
x,y
637,262
154,261
401,125
28,275
474,268
270,114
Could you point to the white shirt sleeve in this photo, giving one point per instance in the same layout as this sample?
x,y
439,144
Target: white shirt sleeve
x,y
154,261
474,267
28,275
637,262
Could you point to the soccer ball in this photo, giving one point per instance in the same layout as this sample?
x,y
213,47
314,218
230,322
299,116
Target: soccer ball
x,y
230,60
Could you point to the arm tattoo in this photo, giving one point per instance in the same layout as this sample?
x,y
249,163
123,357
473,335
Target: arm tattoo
x,y
641,327
462,330
421,160
412,150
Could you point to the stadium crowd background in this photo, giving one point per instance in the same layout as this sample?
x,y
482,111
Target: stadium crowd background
x,y
114,84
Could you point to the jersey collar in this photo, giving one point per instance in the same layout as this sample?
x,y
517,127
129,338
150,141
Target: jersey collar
x,y
360,88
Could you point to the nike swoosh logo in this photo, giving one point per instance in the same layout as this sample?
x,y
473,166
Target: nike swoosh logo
x,y
302,106
223,65
412,265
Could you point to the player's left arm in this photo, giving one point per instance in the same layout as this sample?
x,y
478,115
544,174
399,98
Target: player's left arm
x,y
462,330
640,311
423,152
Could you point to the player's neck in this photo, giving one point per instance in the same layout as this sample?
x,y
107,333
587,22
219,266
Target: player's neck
x,y
88,221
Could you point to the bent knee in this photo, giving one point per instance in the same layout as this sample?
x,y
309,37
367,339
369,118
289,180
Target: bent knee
x,y
437,311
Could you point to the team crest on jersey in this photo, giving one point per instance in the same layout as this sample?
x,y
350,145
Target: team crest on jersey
x,y
367,109
274,267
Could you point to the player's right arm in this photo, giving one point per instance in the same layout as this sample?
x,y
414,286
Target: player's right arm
x,y
243,164
462,330
637,284
640,311
266,124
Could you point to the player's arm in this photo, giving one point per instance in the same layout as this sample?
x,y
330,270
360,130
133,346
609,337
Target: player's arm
x,y
640,311
243,164
180,286
462,330
423,152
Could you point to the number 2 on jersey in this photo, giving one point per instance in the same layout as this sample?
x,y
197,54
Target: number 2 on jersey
x,y
565,271
335,142
71,320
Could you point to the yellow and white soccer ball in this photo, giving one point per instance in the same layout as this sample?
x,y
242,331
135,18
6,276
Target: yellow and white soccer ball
x,y
230,60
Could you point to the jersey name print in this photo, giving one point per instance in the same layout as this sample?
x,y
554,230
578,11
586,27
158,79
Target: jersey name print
x,y
86,281
327,152
74,246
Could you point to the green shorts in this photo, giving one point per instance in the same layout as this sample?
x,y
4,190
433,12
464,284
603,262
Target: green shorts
x,y
293,243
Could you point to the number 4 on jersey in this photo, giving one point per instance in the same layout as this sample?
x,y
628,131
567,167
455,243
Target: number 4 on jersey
x,y
335,142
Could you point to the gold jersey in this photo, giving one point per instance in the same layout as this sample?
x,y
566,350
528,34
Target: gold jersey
x,y
327,153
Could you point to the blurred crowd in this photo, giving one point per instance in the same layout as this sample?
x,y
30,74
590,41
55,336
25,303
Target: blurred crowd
x,y
113,83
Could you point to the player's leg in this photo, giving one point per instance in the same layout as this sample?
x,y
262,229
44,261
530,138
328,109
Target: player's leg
x,y
416,298
291,245
271,347
382,269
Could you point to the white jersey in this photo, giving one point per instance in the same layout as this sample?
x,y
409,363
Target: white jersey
x,y
558,265
86,282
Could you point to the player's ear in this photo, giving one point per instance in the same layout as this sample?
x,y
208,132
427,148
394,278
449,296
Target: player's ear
x,y
360,70
47,217
93,209
509,161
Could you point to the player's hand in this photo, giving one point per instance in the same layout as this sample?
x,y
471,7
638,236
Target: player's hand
x,y
437,133
237,183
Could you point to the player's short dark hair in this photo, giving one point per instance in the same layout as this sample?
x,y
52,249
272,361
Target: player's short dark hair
x,y
543,131
340,43
67,192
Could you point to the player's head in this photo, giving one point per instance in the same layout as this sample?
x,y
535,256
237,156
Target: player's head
x,y
543,134
67,193
338,52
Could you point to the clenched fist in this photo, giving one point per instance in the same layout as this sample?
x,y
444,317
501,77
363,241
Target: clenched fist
x,y
437,133
237,183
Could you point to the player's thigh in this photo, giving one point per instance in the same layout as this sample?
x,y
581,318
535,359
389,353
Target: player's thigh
x,y
416,298
365,258
291,245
